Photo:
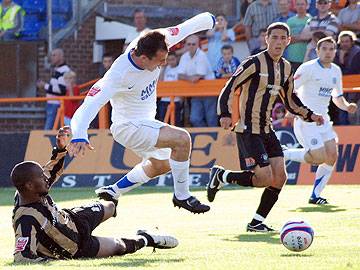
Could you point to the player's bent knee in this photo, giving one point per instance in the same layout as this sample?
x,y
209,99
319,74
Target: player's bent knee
x,y
182,139
318,155
263,177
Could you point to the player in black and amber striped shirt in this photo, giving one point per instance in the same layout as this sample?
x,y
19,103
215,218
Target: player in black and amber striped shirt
x,y
43,231
261,79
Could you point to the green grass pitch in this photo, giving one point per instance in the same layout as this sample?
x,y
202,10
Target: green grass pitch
x,y
217,239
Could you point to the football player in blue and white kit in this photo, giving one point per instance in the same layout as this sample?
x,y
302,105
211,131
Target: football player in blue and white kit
x,y
316,82
130,85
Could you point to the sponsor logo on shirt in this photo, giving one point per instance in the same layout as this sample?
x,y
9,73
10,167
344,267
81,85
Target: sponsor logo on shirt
x,y
297,76
93,91
249,162
21,243
148,91
325,91
174,31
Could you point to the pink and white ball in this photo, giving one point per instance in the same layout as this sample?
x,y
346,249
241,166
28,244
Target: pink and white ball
x,y
296,235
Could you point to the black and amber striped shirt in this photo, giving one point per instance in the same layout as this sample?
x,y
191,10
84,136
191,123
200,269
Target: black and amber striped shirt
x,y
42,230
260,80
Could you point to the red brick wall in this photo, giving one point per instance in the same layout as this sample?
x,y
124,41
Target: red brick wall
x,y
79,51
228,7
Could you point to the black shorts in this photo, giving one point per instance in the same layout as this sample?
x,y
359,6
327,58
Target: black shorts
x,y
87,218
256,149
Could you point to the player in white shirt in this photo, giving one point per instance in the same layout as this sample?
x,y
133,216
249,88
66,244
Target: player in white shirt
x,y
130,85
316,82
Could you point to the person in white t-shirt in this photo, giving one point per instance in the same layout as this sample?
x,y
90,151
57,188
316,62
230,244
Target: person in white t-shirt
x,y
316,82
169,74
194,66
130,85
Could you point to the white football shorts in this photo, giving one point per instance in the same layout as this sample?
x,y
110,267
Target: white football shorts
x,y
141,136
311,136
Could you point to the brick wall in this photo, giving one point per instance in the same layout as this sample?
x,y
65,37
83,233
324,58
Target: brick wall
x,y
227,7
78,51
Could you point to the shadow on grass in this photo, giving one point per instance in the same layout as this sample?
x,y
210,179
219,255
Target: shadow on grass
x,y
319,208
296,255
70,194
115,262
271,238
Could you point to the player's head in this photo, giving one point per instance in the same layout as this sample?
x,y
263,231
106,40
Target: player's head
x,y
28,177
227,52
277,38
326,49
152,50
346,40
172,59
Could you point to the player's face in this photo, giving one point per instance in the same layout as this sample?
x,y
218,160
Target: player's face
x,y
158,60
326,52
39,184
277,42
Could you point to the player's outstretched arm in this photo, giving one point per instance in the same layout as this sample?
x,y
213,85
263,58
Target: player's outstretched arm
x,y
344,105
97,97
55,166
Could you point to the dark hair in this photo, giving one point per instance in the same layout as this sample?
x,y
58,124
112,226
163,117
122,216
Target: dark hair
x,y
23,173
138,10
262,30
278,25
318,35
150,44
227,47
107,55
222,15
172,53
325,39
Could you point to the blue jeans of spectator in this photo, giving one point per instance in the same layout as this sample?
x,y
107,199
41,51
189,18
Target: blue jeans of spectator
x,y
51,110
162,108
203,112
343,118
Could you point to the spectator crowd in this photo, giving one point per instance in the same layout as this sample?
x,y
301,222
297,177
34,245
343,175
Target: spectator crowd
x,y
215,54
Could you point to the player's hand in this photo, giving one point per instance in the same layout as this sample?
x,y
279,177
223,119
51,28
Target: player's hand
x,y
79,148
63,137
318,119
352,108
225,122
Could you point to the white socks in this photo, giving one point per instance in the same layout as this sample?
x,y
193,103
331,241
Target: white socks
x,y
322,176
131,180
180,172
295,154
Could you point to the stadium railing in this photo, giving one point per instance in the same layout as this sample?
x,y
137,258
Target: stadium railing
x,y
203,88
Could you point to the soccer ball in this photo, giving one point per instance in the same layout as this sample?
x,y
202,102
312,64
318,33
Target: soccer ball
x,y
296,235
